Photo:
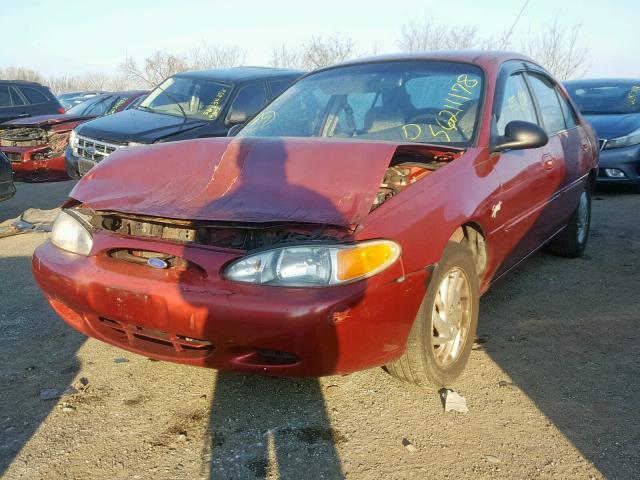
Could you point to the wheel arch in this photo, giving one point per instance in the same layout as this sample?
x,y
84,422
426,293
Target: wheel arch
x,y
472,235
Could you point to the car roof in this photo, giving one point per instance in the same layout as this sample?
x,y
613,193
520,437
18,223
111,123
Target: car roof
x,y
238,74
485,58
602,81
22,82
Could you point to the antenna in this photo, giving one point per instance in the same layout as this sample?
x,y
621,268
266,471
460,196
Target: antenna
x,y
508,35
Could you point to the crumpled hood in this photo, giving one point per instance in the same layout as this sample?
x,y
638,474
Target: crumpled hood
x,y
242,180
46,120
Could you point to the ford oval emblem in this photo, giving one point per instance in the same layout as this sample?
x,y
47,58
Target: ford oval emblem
x,y
157,263
91,150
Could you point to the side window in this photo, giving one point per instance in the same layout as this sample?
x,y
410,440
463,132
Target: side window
x,y
5,98
545,92
278,86
516,103
250,99
16,98
99,108
567,111
33,96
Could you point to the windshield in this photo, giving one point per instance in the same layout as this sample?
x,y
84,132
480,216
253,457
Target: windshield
x,y
94,106
606,98
187,97
416,101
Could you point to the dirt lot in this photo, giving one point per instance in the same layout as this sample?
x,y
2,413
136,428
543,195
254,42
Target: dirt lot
x,y
553,393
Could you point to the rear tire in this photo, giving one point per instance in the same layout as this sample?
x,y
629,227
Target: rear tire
x,y
572,241
443,331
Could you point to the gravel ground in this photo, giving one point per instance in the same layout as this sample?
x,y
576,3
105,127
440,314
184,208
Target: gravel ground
x,y
552,393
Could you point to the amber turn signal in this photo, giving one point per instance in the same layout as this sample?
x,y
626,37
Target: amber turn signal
x,y
365,259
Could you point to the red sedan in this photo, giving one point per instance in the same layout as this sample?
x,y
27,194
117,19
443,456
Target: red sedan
x,y
35,145
353,223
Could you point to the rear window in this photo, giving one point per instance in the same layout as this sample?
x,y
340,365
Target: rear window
x,y
32,95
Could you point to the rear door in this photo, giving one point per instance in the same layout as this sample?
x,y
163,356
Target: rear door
x,y
567,135
519,210
37,101
10,104
561,140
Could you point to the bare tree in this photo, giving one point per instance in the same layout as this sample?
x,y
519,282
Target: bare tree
x,y
20,73
211,56
429,35
319,52
558,49
158,66
283,57
315,53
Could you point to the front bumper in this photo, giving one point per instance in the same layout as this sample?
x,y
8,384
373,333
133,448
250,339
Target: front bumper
x,y
626,159
25,167
196,317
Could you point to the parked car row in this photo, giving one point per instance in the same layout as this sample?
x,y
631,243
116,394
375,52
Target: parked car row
x,y
352,222
185,106
71,99
35,145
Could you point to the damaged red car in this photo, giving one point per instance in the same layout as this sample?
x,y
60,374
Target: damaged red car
x,y
353,223
35,145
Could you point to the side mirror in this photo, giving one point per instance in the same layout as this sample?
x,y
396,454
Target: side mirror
x,y
233,131
236,117
519,135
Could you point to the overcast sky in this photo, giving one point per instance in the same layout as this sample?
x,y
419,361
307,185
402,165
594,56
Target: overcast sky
x,y
73,36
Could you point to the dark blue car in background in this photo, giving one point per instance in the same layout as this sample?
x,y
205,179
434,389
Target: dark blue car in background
x,y
613,108
187,105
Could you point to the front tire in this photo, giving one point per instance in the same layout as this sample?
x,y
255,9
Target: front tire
x,y
572,241
442,335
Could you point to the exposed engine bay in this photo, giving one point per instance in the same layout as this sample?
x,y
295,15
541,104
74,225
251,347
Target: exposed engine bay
x,y
55,139
408,166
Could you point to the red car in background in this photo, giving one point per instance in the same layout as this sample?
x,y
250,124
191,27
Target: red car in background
x,y
35,145
354,222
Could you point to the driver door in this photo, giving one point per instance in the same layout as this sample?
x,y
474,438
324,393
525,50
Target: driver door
x,y
518,224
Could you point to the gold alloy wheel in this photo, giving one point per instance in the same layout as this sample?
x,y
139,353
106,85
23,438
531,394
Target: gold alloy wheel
x,y
451,316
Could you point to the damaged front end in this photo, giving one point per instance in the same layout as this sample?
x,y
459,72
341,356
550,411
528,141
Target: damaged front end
x,y
316,212
36,152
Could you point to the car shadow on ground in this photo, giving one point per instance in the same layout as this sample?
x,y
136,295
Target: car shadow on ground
x,y
271,427
48,195
571,342
24,341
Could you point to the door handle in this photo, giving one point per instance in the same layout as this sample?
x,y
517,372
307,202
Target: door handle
x,y
548,161
22,115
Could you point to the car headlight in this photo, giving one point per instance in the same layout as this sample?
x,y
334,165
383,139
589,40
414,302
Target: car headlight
x,y
73,139
632,138
70,232
314,265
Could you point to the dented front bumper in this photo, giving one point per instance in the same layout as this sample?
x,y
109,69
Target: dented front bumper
x,y
36,163
194,316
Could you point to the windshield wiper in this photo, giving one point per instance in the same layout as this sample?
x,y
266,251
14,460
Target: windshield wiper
x,y
174,101
144,107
